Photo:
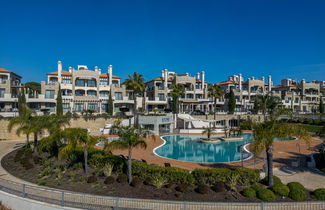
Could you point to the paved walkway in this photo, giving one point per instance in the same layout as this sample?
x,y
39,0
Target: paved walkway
x,y
6,147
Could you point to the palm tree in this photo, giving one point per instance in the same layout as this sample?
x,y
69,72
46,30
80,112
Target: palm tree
x,y
178,90
54,125
23,121
130,137
38,123
77,137
266,103
208,131
135,83
215,92
266,132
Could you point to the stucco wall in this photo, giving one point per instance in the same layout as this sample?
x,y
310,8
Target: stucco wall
x,y
93,125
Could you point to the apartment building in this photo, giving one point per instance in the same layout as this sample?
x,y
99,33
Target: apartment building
x,y
10,84
195,97
85,89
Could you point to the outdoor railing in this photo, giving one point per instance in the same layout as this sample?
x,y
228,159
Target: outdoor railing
x,y
87,201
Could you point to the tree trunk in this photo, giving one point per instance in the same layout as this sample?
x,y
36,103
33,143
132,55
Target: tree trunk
x,y
35,142
264,114
27,139
269,159
130,166
86,161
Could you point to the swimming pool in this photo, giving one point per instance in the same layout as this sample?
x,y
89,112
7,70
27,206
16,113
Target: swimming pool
x,y
188,148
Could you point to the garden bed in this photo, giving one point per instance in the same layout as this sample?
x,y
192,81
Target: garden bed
x,y
200,185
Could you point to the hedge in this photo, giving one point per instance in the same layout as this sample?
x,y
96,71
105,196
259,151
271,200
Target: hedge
x,y
319,194
266,195
216,175
280,189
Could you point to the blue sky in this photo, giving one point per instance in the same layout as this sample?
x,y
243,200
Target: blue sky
x,y
255,38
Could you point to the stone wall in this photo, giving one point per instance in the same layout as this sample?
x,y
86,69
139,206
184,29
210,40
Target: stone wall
x,y
257,118
92,125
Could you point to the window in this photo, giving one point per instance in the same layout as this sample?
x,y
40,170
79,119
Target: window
x,y
91,83
92,107
118,96
66,107
79,107
161,96
103,83
2,92
66,81
80,83
103,93
91,93
49,94
80,92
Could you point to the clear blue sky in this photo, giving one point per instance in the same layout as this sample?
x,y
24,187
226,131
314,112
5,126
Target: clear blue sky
x,y
281,38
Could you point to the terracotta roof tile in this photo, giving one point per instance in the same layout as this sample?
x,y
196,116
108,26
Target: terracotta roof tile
x,y
4,70
106,75
63,73
226,83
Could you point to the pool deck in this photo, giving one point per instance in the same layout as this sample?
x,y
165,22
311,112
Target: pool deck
x,y
284,153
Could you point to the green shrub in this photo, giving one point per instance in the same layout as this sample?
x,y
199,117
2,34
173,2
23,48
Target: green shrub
x,y
215,175
319,194
182,188
276,180
249,193
122,178
202,189
297,194
91,179
107,170
136,182
158,180
109,180
257,187
266,195
296,186
173,175
280,189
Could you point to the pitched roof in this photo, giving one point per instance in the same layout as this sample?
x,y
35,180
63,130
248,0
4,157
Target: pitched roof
x,y
7,71
63,73
106,75
226,83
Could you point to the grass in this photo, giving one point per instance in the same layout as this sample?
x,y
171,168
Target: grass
x,y
312,128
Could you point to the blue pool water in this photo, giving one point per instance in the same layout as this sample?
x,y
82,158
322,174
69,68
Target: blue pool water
x,y
188,148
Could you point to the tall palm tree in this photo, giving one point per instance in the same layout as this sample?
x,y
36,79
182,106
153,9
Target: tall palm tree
x,y
77,137
38,123
130,137
178,90
135,82
266,103
266,132
215,92
23,121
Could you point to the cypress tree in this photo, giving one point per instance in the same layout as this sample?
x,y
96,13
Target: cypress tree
x,y
59,106
110,104
321,106
231,102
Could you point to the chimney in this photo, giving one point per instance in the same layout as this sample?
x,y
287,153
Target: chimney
x,y
110,73
269,82
303,81
70,69
163,74
96,68
187,74
99,71
240,79
59,71
253,78
203,79
198,76
165,78
263,79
